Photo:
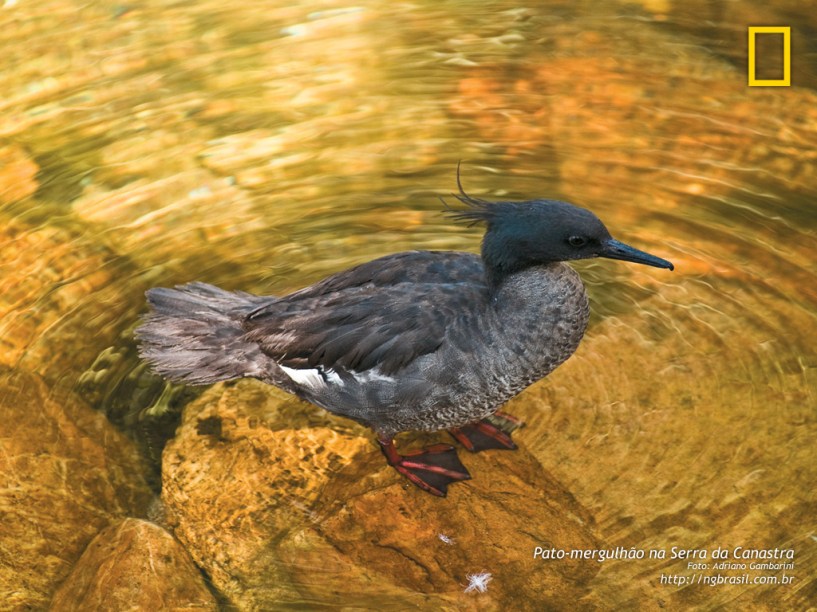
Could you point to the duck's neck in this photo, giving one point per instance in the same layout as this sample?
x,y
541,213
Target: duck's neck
x,y
502,259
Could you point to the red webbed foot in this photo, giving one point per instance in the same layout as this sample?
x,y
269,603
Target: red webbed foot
x,y
491,433
432,469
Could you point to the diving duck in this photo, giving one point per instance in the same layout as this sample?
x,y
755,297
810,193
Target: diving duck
x,y
420,340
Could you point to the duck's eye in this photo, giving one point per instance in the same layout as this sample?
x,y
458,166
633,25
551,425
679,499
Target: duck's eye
x,y
577,241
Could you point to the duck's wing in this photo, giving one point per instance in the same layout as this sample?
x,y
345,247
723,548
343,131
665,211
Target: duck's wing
x,y
378,316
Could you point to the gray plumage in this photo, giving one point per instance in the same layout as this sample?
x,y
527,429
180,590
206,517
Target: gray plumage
x,y
387,349
422,340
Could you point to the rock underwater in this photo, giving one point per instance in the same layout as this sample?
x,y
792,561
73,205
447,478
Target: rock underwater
x,y
279,502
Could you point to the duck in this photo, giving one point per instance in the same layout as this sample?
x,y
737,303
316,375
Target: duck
x,y
412,341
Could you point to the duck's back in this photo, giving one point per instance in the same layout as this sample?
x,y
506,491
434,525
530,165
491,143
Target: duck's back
x,y
378,316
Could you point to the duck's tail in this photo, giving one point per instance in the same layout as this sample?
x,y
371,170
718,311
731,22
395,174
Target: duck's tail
x,y
194,335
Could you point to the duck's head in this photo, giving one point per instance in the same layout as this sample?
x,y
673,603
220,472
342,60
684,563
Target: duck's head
x,y
524,234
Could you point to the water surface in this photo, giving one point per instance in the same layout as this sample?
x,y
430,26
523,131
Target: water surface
x,y
265,146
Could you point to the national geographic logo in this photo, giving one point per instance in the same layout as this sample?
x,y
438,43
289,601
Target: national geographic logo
x,y
753,56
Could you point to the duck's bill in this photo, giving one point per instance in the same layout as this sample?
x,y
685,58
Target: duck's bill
x,y
613,249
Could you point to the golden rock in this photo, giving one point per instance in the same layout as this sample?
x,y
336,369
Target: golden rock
x,y
66,474
134,565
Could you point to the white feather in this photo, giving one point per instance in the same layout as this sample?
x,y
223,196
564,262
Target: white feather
x,y
312,377
372,375
478,582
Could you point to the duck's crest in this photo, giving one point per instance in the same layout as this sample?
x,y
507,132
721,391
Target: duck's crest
x,y
479,210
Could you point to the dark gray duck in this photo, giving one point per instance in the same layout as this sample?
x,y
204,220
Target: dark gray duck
x,y
422,340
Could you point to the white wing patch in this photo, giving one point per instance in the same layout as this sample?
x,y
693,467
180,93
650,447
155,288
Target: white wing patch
x,y
314,378
318,378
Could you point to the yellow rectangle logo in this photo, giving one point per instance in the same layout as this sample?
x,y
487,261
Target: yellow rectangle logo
x,y
786,80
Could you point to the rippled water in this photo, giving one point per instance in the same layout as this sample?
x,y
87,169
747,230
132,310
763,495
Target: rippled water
x,y
265,146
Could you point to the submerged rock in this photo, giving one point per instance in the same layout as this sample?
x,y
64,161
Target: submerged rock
x,y
134,565
174,219
61,298
18,174
65,473
669,125
277,507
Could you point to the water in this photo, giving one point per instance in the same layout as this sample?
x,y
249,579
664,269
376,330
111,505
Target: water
x,y
266,146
